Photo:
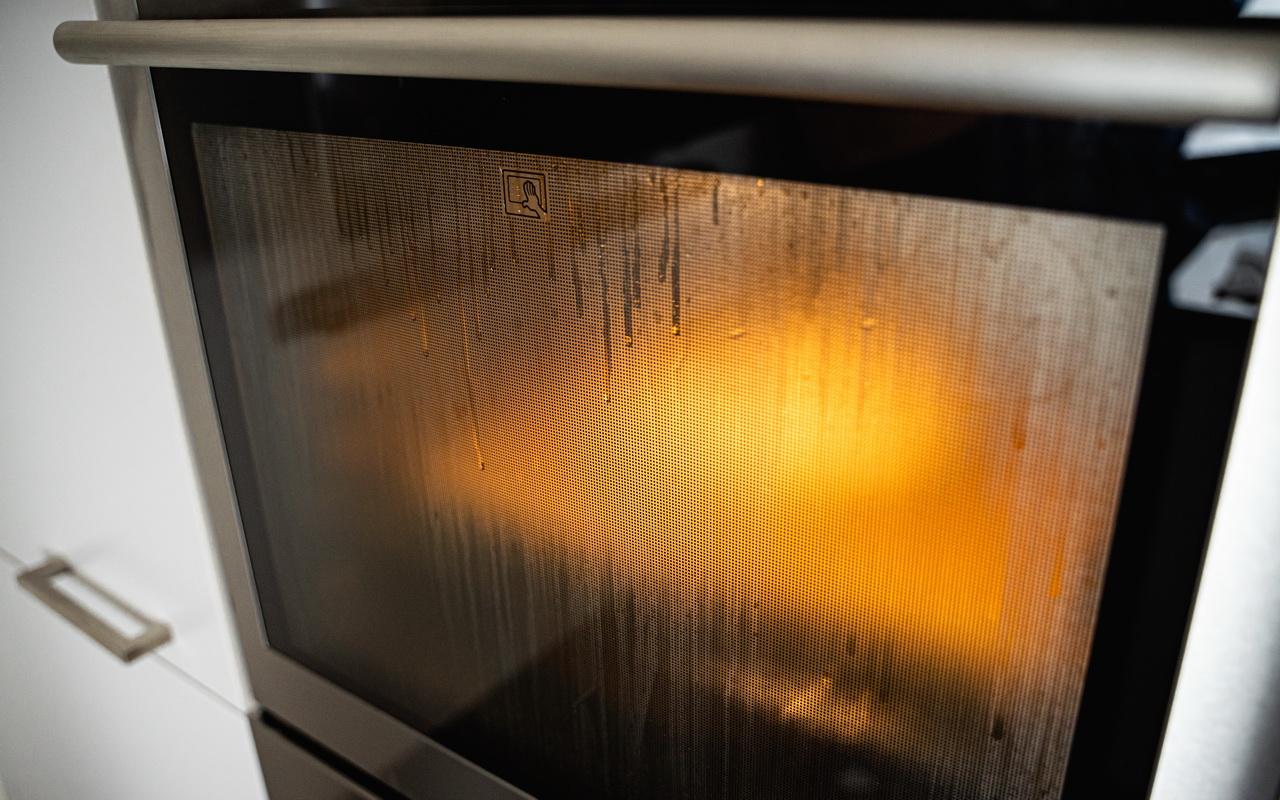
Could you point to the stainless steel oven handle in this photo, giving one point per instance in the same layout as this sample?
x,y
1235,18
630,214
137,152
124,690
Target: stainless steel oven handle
x,y
39,581
1122,73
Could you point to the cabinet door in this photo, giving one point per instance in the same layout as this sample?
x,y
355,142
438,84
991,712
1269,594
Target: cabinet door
x,y
78,723
94,463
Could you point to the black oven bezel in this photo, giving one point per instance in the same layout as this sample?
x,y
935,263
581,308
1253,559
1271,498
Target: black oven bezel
x,y
1090,166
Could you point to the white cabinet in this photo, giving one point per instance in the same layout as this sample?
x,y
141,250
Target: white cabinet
x,y
77,723
95,464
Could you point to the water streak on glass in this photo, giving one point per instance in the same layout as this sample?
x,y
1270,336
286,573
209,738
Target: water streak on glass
x,y
842,536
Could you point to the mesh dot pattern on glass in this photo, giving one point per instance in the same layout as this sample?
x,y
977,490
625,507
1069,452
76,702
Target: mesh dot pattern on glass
x,y
648,483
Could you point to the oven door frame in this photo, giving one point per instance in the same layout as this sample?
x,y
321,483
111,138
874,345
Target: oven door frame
x,y
350,728
1222,640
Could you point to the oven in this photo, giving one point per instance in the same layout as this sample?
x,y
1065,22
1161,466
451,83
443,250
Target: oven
x,y
649,405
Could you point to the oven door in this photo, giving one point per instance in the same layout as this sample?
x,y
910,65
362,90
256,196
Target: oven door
x,y
708,418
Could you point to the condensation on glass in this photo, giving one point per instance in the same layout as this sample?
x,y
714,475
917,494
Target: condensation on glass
x,y
650,483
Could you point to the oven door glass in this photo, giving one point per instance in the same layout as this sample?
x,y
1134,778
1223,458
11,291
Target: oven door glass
x,y
640,482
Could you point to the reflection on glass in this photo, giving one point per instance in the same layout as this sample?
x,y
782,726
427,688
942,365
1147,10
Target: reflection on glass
x,y
648,483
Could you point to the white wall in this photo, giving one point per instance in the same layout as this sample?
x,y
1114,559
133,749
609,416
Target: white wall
x,y
94,462
92,445
90,433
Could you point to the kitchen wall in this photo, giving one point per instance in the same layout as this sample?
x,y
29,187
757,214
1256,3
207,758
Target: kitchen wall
x,y
90,431
94,462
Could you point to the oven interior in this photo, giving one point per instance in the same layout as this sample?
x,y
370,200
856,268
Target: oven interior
x,y
641,444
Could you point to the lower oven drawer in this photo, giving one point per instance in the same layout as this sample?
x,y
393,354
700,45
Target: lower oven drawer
x,y
294,773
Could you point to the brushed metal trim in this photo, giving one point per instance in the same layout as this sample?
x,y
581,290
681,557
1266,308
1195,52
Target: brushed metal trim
x,y
1132,74
289,771
38,581
1222,738
378,743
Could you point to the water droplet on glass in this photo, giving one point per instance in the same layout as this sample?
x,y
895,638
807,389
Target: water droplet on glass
x,y
759,183
675,330
628,340
737,333
869,322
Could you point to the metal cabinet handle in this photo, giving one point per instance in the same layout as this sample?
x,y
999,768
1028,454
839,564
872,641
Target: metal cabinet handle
x,y
1122,73
39,581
